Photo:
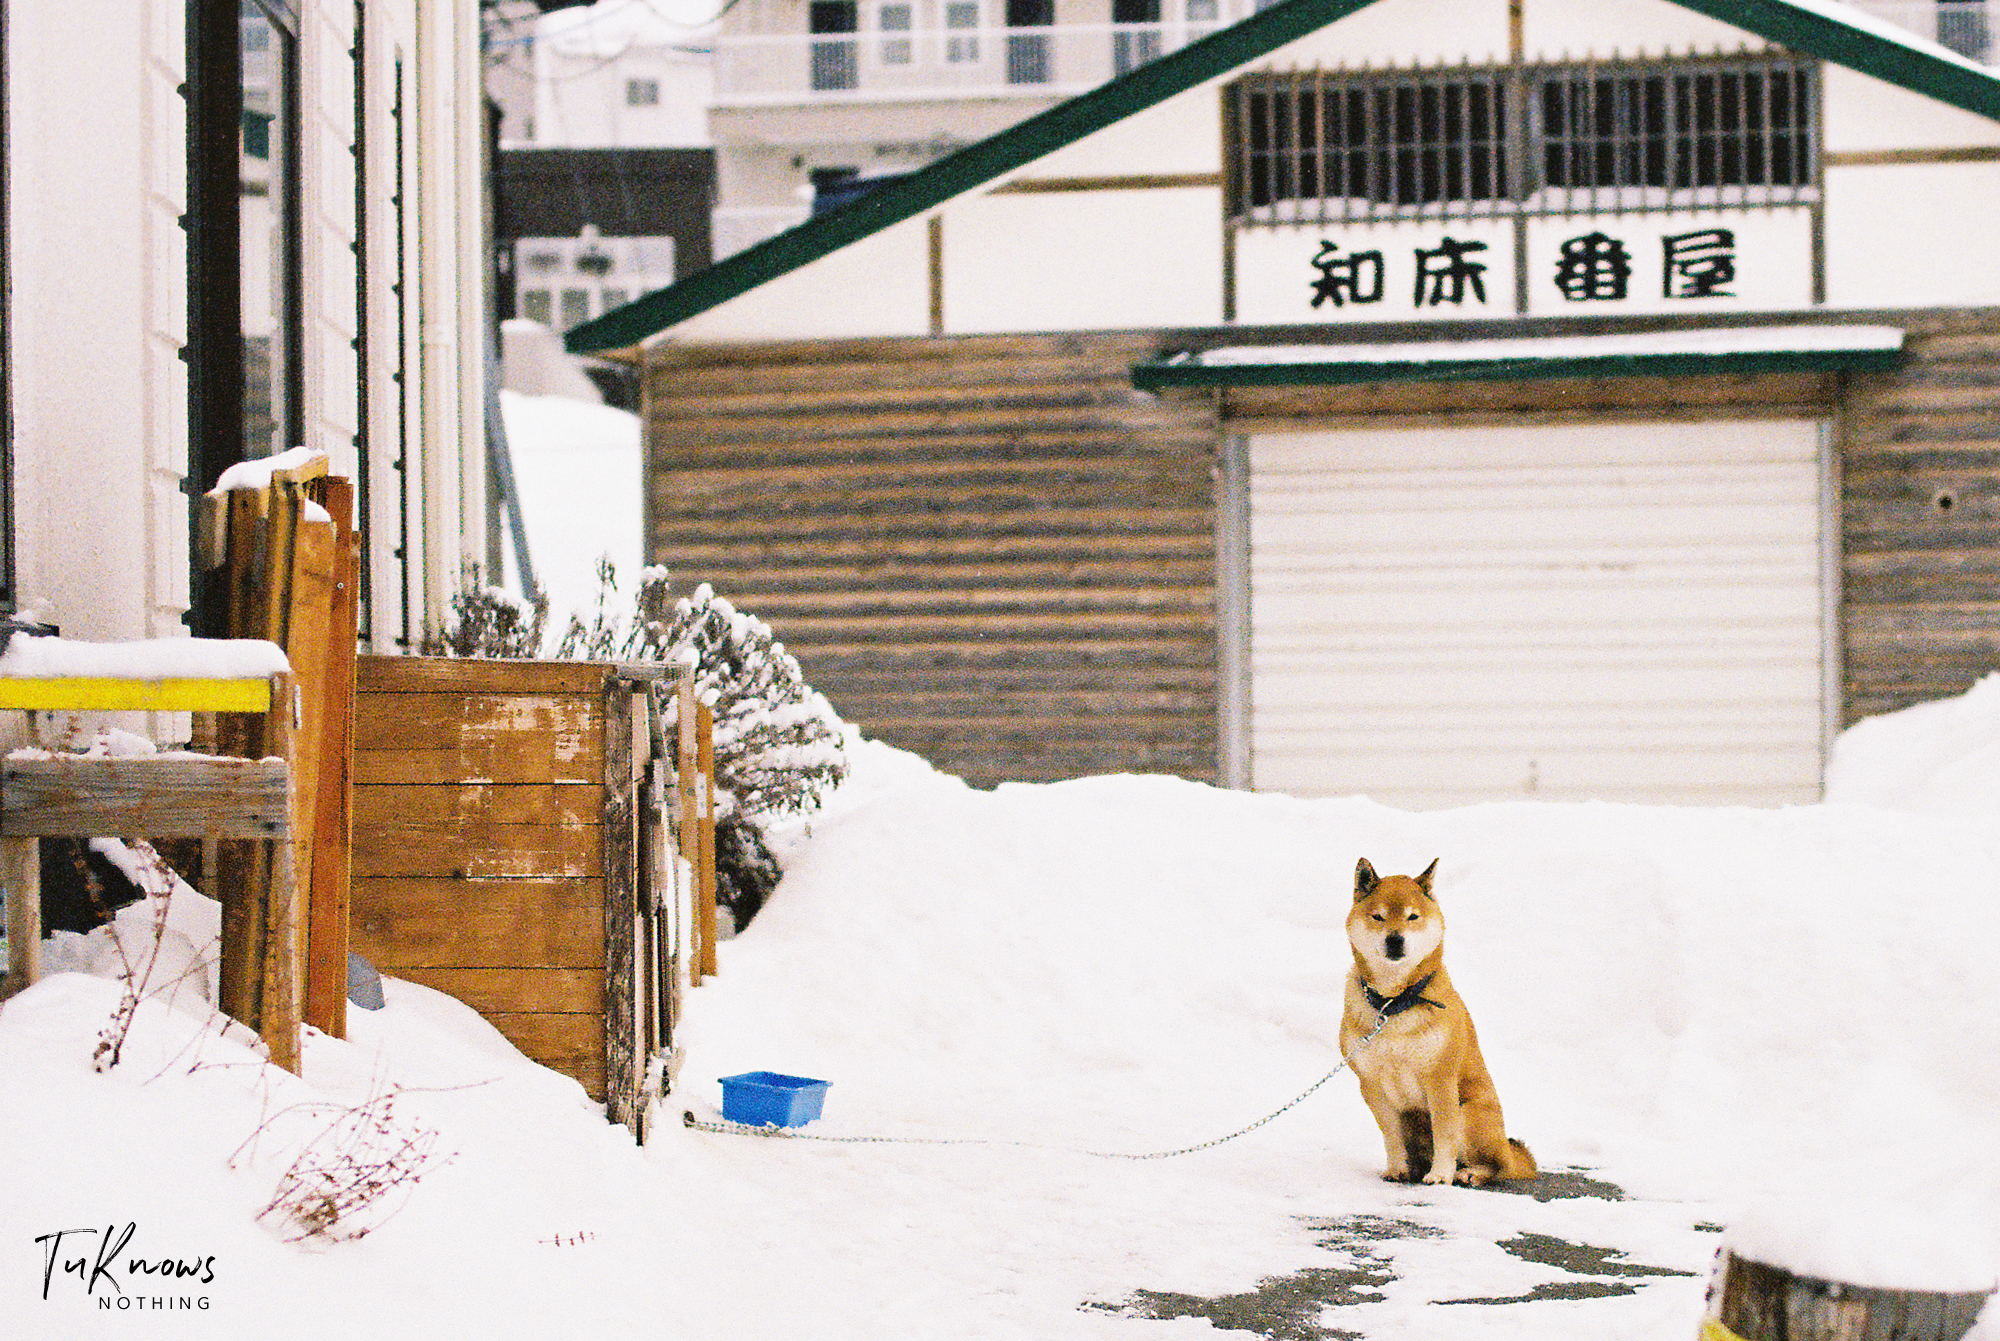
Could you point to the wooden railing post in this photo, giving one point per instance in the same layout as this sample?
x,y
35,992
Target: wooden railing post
x,y
686,834
705,833
21,868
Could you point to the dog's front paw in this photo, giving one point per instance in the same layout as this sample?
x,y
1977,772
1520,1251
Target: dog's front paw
x,y
1438,1176
1398,1176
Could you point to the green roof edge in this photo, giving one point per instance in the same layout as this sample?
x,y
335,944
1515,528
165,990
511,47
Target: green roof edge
x,y
1155,376
1831,39
1776,21
907,197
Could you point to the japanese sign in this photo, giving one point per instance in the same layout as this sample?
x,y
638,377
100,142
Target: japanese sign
x,y
1467,269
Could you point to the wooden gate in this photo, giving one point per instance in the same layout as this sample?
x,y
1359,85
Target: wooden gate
x,y
514,846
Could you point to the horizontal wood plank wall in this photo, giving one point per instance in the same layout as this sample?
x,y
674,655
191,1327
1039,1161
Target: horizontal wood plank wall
x,y
1921,491
478,866
989,550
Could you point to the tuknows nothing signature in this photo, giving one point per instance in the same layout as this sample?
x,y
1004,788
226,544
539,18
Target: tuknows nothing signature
x,y
99,1257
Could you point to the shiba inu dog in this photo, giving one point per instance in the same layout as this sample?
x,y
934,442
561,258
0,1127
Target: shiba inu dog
x,y
1421,1075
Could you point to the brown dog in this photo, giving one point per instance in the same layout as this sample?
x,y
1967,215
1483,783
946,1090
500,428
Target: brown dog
x,y
1421,1075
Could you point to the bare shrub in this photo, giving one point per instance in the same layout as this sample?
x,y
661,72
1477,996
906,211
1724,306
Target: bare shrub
x,y
136,968
350,1178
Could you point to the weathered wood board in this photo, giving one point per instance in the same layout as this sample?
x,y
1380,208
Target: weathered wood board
x,y
478,843
186,795
989,550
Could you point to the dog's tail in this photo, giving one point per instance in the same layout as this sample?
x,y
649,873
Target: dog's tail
x,y
1516,1161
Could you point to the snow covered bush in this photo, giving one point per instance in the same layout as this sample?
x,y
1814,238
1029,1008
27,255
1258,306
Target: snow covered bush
x,y
778,743
489,622
352,1175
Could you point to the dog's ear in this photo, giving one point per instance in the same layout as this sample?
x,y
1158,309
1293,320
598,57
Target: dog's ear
x,y
1424,880
1365,879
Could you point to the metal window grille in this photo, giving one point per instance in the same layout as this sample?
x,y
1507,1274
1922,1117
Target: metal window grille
x,y
1321,147
1028,53
1725,132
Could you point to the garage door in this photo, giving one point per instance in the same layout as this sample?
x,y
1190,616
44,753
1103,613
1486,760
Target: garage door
x,y
1617,612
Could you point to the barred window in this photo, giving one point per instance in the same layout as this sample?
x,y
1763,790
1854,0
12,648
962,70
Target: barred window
x,y
1408,140
1333,146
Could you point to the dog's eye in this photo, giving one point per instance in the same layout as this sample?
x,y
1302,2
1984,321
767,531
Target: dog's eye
x,y
1409,917
1378,917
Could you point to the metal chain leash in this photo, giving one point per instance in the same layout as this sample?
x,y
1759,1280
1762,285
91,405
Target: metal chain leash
x,y
726,1127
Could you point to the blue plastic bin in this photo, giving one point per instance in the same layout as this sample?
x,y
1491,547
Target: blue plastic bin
x,y
767,1099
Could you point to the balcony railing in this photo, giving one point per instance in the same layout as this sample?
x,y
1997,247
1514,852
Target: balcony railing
x,y
1060,61
1966,26
905,63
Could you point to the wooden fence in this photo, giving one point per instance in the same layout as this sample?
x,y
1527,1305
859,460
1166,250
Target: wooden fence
x,y
289,576
515,846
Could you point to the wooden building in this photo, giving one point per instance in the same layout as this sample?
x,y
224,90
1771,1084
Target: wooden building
x,y
1434,400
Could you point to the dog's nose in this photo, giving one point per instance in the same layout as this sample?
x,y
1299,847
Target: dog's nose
x,y
1392,945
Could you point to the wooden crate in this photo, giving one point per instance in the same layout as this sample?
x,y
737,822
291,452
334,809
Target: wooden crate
x,y
481,795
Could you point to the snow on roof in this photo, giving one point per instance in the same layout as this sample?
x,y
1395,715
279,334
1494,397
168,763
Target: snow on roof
x,y
1647,344
144,659
610,28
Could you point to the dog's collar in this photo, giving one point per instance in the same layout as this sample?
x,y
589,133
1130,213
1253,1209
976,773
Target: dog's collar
x,y
1412,995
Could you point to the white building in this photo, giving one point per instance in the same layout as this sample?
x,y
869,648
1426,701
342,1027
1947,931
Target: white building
x,y
235,226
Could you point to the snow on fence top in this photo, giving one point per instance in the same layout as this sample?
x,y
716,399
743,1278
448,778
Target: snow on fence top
x,y
257,474
29,657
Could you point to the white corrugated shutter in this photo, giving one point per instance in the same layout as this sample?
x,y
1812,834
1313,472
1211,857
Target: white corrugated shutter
x,y
1621,612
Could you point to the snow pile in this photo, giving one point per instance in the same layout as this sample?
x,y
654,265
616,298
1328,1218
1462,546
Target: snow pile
x,y
1941,1242
576,466
1940,759
257,473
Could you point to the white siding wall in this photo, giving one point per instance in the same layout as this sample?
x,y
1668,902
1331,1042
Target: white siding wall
x,y
98,189
99,289
1614,612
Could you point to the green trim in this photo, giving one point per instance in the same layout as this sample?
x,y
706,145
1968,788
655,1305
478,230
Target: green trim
x,y
1172,373
1777,21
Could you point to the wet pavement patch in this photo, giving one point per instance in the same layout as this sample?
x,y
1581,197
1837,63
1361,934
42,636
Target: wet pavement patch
x,y
1562,1185
1289,1308
1578,1259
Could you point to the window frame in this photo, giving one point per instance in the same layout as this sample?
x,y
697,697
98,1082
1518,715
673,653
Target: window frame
x,y
214,223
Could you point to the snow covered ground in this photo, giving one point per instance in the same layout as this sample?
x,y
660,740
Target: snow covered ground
x,y
1786,1022
1787,1018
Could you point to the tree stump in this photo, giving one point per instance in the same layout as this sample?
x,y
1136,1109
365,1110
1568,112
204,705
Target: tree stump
x,y
1756,1302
